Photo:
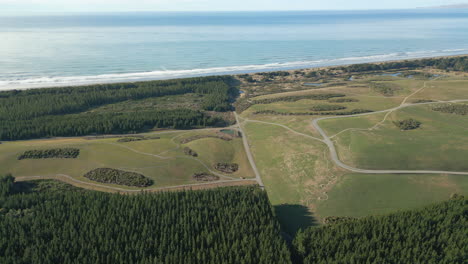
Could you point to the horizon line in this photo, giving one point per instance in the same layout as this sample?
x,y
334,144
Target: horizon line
x,y
214,11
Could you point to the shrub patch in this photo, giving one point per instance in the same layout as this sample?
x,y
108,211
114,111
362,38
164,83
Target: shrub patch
x,y
58,153
127,178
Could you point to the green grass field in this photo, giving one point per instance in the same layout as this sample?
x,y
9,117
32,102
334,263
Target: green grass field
x,y
441,143
364,194
295,170
161,159
304,184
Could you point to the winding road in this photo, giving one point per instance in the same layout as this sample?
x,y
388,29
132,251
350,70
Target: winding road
x,y
334,155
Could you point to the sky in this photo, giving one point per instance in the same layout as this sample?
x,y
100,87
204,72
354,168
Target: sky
x,y
26,6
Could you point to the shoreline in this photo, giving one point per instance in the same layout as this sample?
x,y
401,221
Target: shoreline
x,y
180,74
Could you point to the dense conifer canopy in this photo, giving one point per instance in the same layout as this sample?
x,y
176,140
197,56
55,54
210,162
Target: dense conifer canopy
x,y
68,111
226,225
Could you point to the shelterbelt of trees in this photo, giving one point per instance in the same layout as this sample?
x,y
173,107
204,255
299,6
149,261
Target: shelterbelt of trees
x,y
62,111
226,225
104,123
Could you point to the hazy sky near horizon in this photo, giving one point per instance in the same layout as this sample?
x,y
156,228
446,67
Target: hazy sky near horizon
x,y
19,6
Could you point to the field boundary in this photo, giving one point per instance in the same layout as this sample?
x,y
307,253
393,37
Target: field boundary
x,y
94,186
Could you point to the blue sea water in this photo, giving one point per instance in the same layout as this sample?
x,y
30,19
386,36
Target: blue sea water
x,y
50,50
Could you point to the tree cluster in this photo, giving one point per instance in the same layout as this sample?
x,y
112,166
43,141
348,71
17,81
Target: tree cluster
x,y
120,177
226,225
408,124
58,153
190,152
205,177
227,167
458,109
435,234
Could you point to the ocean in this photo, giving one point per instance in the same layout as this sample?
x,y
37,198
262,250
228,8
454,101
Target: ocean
x,y
71,49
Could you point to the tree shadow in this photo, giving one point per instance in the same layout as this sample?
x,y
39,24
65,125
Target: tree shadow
x,y
23,187
293,217
235,89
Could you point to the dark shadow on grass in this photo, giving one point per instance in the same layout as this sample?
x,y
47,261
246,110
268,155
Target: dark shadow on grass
x,y
293,217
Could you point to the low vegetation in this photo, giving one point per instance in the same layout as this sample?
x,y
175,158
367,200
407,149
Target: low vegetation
x,y
226,225
274,74
407,124
57,153
218,135
190,152
417,74
227,167
386,89
205,177
435,234
421,101
343,100
113,176
351,112
297,98
458,109
135,138
327,107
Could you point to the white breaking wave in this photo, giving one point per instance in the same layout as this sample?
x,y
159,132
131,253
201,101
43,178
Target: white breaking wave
x,y
171,74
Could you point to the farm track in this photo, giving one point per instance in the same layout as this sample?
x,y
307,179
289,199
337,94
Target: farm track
x,y
334,155
248,152
229,181
234,181
92,186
